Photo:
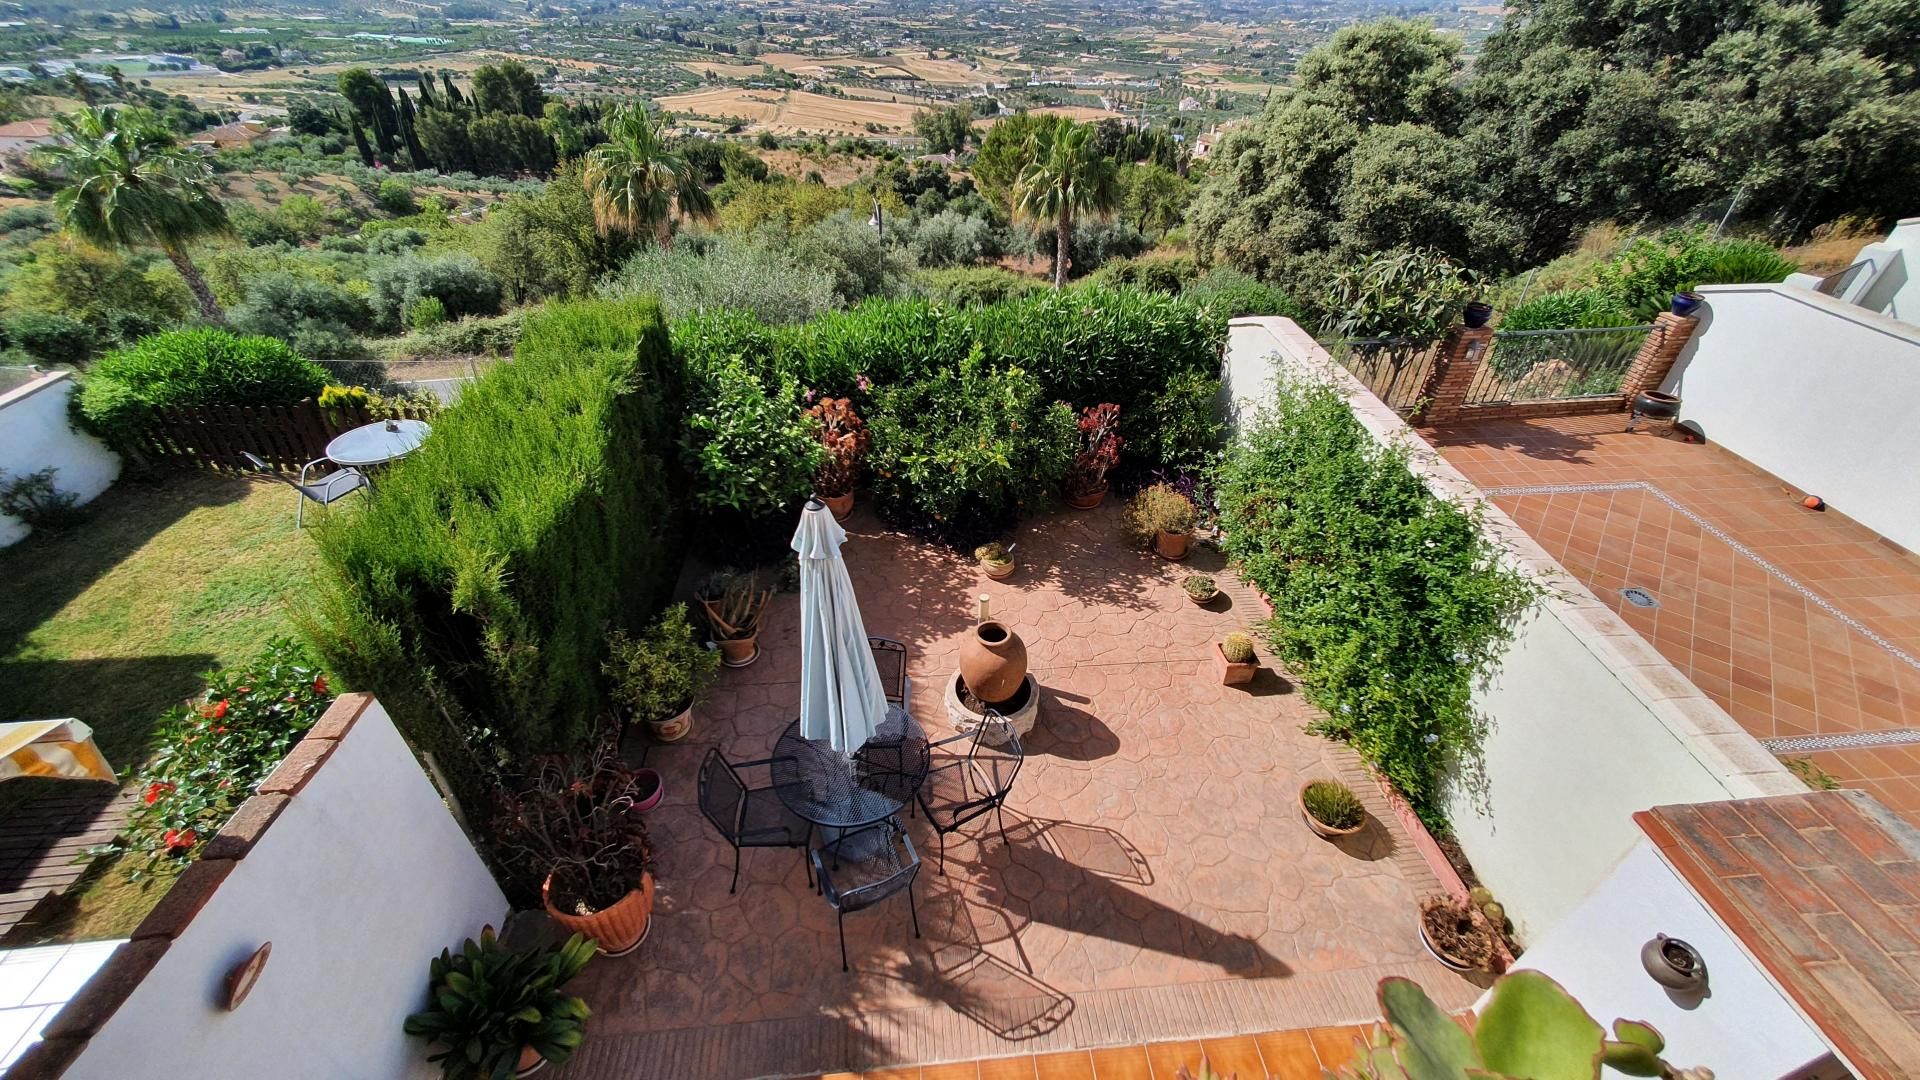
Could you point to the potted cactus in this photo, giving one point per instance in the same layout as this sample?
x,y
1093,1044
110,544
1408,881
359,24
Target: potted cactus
x,y
500,1012
1238,662
1331,808
734,603
1200,588
996,560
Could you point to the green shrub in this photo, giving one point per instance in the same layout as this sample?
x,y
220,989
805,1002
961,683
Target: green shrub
x,y
1741,262
1397,294
426,313
975,286
1231,294
49,337
1573,309
1389,603
493,335
734,274
278,302
459,282
191,367
663,671
750,449
1165,275
962,451
1646,274
1179,427
396,241
36,501
951,238
474,593
395,196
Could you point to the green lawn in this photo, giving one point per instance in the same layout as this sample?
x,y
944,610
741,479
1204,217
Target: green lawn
x,y
113,621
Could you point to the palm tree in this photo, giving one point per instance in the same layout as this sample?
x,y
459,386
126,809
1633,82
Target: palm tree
x,y
638,182
129,185
1065,175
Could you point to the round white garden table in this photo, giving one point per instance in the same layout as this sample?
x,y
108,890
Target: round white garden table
x,y
378,443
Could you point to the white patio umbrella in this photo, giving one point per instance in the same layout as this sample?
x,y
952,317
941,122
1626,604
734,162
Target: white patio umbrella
x,y
841,697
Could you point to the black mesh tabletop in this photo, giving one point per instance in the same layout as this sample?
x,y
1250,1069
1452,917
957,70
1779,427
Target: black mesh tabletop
x,y
842,792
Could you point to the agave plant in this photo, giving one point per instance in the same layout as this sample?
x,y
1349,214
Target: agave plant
x,y
491,1004
1531,1029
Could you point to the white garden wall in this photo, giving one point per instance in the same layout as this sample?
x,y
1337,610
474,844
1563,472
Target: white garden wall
x,y
35,435
361,879
1588,723
1817,391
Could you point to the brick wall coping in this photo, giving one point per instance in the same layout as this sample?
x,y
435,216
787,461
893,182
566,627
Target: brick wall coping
x,y
39,383
1702,727
82,1017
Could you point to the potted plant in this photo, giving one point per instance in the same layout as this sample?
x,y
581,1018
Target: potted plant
x,y
1098,450
996,560
1200,588
1457,934
658,676
1331,808
734,603
1163,518
574,827
500,1012
845,436
1476,314
1236,657
1686,302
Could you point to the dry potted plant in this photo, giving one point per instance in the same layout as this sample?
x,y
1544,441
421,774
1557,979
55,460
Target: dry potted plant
x,y
658,676
1238,662
1162,518
996,560
574,826
1098,450
1458,934
734,603
845,436
501,1013
1200,588
1331,808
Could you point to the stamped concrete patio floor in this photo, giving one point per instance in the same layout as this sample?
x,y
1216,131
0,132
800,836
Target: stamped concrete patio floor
x,y
1156,883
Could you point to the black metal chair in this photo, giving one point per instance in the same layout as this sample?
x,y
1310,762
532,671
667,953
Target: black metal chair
x,y
863,867
965,787
891,657
749,816
329,488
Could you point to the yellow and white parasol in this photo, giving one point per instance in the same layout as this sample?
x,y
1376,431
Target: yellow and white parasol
x,y
57,748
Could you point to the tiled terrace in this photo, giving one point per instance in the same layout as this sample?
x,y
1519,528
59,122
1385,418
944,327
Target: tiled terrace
x,y
1158,883
1803,625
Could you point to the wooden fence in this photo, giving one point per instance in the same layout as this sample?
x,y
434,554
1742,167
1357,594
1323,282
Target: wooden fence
x,y
287,436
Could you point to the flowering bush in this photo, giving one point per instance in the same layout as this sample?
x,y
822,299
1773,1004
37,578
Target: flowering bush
x,y
215,753
1099,450
845,436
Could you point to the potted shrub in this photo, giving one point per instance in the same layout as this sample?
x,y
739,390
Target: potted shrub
x,y
845,437
658,676
1238,662
996,560
734,603
574,826
1476,314
1162,518
1457,934
500,1012
1331,808
1097,450
1200,588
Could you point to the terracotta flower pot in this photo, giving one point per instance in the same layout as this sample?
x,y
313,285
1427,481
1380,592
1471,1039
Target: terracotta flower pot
x,y
1203,601
530,1062
841,505
1172,545
1232,674
1321,828
993,661
616,930
997,571
1087,502
674,728
1436,953
739,652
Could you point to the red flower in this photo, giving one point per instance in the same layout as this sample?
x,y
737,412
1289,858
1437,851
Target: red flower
x,y
216,710
220,729
320,684
179,839
157,789
242,690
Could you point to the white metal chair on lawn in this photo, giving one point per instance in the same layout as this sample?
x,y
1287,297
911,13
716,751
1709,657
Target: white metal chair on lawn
x,y
327,489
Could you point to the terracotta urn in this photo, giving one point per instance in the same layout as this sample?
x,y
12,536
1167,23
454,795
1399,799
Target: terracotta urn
x,y
841,505
993,661
615,930
739,652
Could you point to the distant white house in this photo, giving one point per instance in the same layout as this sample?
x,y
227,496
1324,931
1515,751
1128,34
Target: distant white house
x,y
1190,104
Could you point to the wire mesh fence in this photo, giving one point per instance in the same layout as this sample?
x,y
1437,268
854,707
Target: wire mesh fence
x,y
1549,365
1395,369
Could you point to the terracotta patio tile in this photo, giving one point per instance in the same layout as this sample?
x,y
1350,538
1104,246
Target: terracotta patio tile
x,y
1073,1065
1121,1063
962,1070
1334,1046
1237,1057
1013,1068
1167,1058
1289,1055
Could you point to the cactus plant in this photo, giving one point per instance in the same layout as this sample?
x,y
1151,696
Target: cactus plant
x,y
1238,648
994,554
1531,1028
1200,587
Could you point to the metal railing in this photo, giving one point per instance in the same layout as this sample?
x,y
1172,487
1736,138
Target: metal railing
x,y
1395,369
1552,365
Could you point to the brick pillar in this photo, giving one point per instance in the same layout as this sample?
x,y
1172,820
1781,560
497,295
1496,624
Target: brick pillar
x,y
1657,353
1455,364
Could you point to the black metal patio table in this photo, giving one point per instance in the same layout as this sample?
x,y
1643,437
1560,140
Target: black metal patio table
x,y
838,791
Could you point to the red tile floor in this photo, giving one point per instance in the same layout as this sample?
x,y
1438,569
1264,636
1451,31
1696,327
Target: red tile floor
x,y
1300,1054
1157,882
1800,623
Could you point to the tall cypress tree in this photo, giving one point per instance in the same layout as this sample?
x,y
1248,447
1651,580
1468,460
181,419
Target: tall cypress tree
x,y
425,83
414,150
360,143
453,92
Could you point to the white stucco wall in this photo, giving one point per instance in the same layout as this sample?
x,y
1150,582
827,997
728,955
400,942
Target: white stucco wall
x,y
361,881
1816,391
35,435
1588,722
1743,1027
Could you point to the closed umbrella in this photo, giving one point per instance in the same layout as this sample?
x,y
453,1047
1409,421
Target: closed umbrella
x,y
57,748
841,697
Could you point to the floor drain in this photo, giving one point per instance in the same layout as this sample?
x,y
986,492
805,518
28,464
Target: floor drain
x,y
1639,597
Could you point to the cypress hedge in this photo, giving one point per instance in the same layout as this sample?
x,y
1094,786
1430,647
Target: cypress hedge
x,y
472,591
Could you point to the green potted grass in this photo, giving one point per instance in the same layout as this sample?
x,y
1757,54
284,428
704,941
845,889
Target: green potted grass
x,y
1331,808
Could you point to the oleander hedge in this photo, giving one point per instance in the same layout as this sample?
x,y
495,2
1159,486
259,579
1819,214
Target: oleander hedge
x,y
473,590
